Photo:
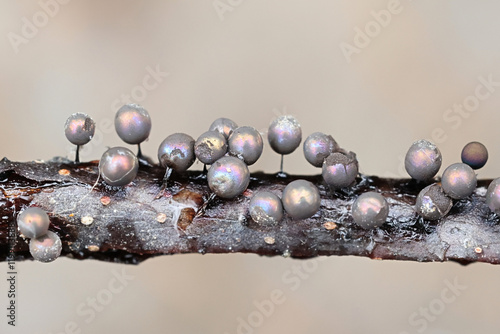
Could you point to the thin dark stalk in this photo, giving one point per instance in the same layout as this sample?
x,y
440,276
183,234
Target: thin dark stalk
x,y
139,152
77,154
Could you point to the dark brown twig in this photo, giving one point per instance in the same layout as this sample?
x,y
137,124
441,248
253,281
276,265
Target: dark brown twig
x,y
129,225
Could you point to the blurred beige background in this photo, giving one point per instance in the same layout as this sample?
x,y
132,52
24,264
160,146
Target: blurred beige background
x,y
402,79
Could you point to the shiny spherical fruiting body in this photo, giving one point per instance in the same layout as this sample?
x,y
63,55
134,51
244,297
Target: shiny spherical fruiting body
x,y
266,208
340,169
210,147
79,129
177,152
246,143
223,125
46,248
33,222
318,146
132,123
228,177
301,199
284,134
475,155
493,196
423,160
370,210
459,181
118,166
432,202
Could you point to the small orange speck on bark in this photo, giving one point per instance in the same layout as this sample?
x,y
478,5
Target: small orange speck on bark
x,y
269,240
64,172
330,225
105,200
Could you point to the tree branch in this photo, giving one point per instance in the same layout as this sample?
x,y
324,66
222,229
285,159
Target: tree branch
x,y
129,225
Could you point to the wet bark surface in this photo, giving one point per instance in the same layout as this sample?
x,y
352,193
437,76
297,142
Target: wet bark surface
x,y
132,223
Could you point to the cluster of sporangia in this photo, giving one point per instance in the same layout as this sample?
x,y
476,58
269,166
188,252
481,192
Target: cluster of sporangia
x,y
230,149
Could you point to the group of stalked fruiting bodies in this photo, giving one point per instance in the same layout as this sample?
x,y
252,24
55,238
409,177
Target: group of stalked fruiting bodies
x,y
230,149
458,181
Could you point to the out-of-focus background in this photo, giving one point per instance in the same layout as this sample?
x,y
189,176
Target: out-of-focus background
x,y
377,75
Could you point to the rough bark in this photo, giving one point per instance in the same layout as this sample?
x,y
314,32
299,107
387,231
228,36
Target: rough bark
x,y
130,224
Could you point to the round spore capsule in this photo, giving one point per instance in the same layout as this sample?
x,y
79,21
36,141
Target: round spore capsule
x,y
459,181
177,152
210,147
423,160
223,125
118,166
284,134
228,177
493,196
79,129
46,248
133,124
246,143
432,203
318,146
33,222
266,208
301,199
340,169
370,210
475,155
